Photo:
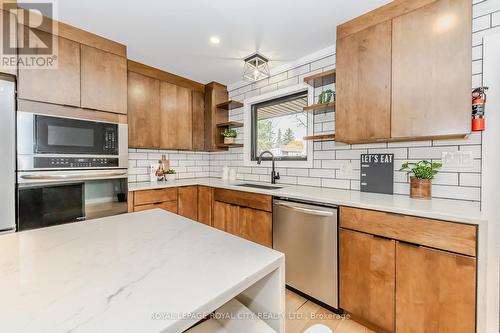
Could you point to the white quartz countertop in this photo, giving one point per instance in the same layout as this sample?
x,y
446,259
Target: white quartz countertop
x,y
443,209
136,272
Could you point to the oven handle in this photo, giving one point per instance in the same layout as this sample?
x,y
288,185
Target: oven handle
x,y
74,176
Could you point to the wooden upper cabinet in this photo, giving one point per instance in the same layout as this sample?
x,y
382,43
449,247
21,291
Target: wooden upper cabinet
x,y
367,279
60,85
103,80
363,83
215,93
176,117
8,35
143,111
431,56
436,291
198,120
187,202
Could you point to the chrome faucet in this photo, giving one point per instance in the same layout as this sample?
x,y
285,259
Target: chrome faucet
x,y
274,175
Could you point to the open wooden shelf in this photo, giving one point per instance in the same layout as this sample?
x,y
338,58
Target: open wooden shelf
x,y
232,145
229,105
230,124
320,137
319,106
313,78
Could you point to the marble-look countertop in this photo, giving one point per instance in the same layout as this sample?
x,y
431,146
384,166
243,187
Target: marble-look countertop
x,y
128,273
443,209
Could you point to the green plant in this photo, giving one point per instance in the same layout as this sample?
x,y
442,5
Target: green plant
x,y
170,172
421,170
229,133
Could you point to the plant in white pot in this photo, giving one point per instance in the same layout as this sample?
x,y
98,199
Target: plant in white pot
x,y
229,135
421,182
170,175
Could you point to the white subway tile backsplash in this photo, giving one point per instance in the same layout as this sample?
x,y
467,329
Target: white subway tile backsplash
x,y
329,156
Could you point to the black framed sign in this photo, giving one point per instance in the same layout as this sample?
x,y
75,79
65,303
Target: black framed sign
x,y
377,173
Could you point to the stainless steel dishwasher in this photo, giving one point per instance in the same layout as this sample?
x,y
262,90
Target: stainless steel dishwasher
x,y
307,234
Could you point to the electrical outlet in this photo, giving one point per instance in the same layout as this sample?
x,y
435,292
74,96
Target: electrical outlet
x,y
346,169
457,159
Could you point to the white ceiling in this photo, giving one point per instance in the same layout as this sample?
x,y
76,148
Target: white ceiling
x,y
174,35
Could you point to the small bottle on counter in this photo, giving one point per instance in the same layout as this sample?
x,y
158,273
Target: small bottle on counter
x,y
232,174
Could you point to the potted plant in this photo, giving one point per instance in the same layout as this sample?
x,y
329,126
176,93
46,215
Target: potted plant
x,y
229,134
421,182
170,175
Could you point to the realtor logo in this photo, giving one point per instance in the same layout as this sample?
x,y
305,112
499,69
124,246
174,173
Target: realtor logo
x,y
29,40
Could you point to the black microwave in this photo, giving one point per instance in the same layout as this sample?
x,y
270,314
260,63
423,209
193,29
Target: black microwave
x,y
54,135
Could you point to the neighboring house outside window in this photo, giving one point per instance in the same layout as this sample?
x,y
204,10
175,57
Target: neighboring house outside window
x,y
279,125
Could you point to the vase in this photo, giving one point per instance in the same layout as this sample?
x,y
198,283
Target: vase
x,y
170,177
420,188
228,141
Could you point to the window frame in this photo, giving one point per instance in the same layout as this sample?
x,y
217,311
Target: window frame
x,y
254,107
247,127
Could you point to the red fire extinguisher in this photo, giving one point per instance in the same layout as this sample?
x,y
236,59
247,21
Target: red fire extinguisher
x,y
478,108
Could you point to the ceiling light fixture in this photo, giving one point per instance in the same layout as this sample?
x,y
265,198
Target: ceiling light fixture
x,y
256,68
215,40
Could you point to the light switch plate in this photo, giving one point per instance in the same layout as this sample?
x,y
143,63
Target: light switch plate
x,y
346,169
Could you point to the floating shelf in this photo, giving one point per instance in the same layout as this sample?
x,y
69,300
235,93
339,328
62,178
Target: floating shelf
x,y
230,124
229,105
232,145
319,106
313,78
320,137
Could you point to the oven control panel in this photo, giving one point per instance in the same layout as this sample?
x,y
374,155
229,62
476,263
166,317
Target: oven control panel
x,y
74,162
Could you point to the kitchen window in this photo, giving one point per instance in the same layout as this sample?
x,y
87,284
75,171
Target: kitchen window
x,y
279,126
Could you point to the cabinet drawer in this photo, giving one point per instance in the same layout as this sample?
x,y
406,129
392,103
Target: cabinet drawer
x,y
170,206
245,199
454,237
155,196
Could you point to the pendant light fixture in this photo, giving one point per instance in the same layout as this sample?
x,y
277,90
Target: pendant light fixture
x,y
256,68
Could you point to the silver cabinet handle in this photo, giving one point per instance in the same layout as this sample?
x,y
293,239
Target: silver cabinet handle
x,y
73,176
305,210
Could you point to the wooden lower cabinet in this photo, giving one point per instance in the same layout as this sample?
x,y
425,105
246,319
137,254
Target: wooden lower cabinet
x,y
170,206
256,226
226,217
436,291
367,278
205,204
187,202
252,224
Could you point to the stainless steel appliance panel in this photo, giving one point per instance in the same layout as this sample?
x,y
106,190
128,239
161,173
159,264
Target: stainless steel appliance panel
x,y
8,153
307,235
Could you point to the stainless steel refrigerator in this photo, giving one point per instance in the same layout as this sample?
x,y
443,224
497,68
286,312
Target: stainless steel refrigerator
x,y
8,155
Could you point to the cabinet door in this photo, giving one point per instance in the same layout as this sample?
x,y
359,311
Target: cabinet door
x,y
143,111
176,117
198,120
435,291
431,77
59,85
188,202
226,217
256,226
104,80
363,106
367,278
169,206
10,35
205,203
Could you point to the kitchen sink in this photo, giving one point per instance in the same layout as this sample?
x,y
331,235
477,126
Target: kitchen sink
x,y
263,187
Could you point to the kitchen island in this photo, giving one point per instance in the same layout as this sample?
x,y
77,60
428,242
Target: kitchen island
x,y
151,271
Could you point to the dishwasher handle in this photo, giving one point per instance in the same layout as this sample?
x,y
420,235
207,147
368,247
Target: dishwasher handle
x,y
304,210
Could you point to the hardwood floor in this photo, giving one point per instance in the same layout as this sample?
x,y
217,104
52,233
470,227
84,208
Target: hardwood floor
x,y
302,314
